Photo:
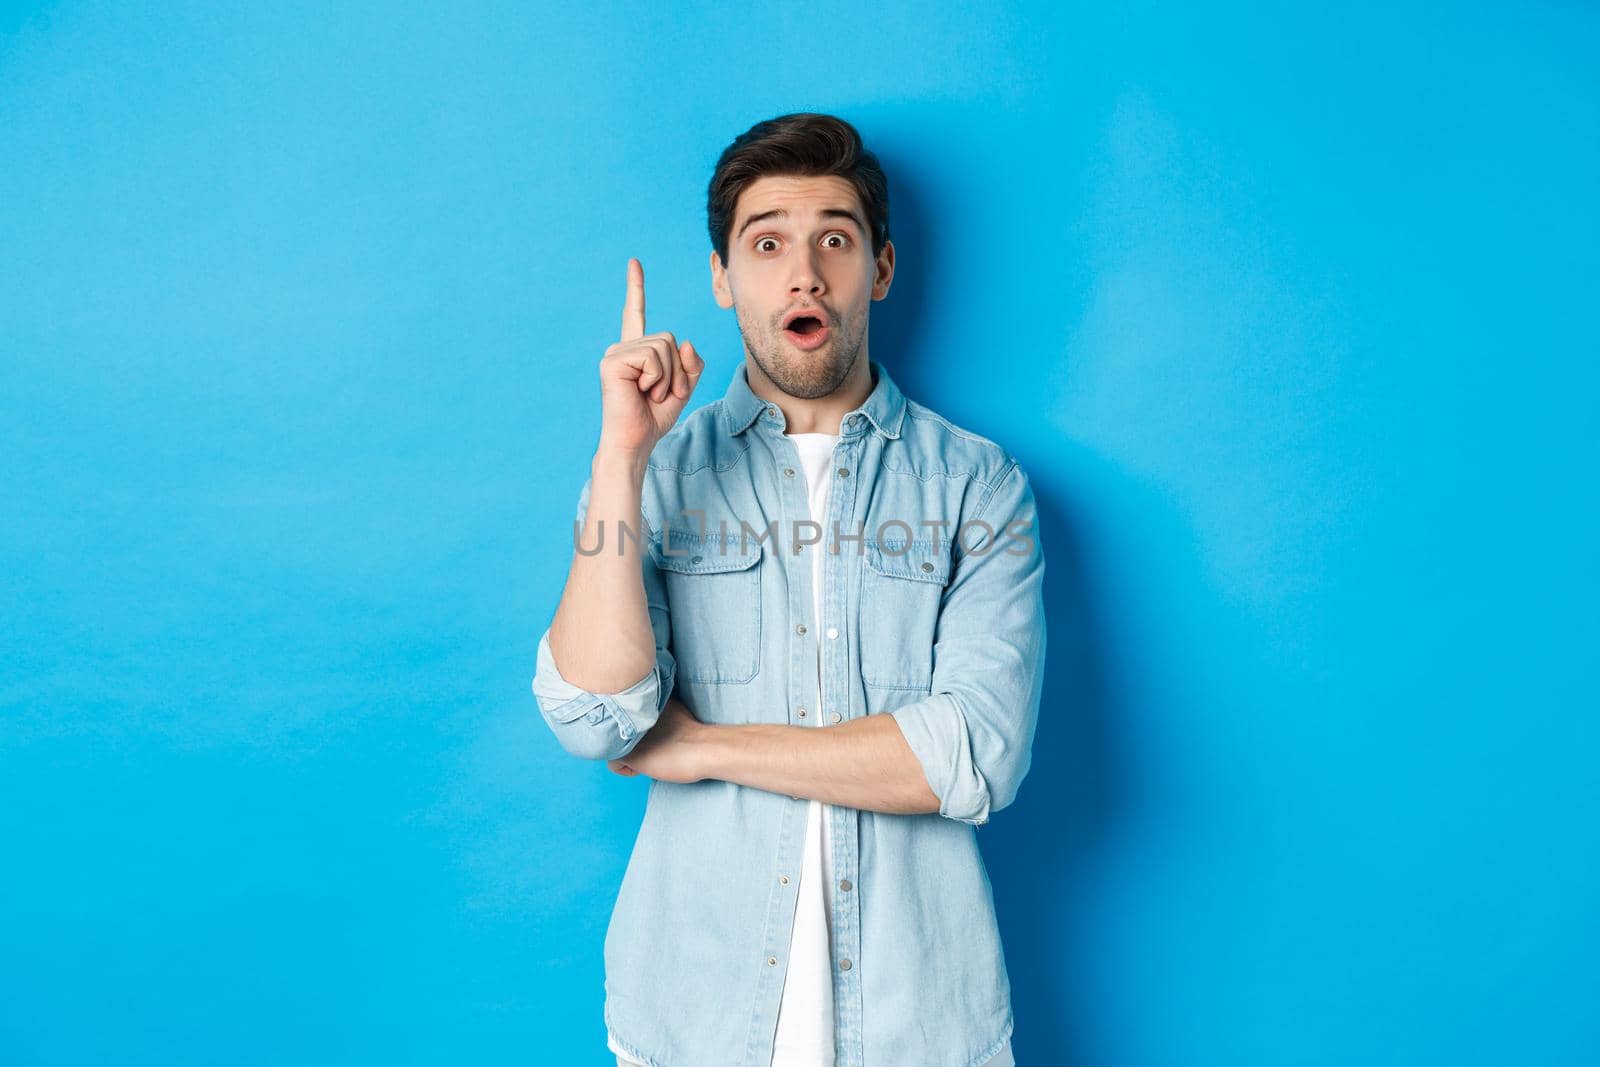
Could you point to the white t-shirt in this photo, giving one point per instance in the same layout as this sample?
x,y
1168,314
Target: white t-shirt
x,y
805,1014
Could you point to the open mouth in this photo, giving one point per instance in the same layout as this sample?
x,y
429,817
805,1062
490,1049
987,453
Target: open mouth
x,y
806,331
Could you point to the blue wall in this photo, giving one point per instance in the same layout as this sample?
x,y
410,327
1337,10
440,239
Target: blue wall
x,y
1290,315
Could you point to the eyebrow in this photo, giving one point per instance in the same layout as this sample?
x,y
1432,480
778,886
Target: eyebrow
x,y
827,213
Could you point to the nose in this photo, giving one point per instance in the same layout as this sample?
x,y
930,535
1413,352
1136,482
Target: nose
x,y
807,280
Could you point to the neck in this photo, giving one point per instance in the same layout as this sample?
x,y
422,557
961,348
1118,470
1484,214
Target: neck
x,y
822,415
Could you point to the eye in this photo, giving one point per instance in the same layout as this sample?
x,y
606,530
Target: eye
x,y
764,240
844,238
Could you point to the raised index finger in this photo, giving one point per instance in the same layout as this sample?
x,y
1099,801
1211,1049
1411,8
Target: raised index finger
x,y
633,309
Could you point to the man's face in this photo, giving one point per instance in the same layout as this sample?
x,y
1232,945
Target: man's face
x,y
801,245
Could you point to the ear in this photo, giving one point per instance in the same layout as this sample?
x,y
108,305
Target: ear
x,y
719,282
885,271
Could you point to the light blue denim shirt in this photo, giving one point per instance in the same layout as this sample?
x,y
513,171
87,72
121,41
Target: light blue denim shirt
x,y
940,626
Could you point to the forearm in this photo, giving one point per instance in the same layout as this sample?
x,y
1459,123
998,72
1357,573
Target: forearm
x,y
601,638
864,763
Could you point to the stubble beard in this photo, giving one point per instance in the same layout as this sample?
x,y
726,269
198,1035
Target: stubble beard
x,y
804,375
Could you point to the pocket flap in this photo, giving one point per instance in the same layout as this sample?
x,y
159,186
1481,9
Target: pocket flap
x,y
921,561
687,552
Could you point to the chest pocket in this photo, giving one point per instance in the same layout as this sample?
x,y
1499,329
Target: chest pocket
x,y
901,586
714,599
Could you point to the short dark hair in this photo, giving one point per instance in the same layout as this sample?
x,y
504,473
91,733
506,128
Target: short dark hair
x,y
803,144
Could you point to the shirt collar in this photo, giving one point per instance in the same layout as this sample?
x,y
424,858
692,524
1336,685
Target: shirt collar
x,y
884,408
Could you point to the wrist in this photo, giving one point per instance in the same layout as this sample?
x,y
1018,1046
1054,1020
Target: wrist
x,y
709,745
609,461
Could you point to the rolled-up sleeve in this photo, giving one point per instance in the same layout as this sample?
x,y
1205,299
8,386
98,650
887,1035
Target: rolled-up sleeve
x,y
608,725
973,734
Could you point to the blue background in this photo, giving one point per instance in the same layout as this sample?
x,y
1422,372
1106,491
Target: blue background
x,y
1288,313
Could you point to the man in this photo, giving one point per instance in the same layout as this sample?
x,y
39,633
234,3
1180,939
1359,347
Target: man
x,y
812,614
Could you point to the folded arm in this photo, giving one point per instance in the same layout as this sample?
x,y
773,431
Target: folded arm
x,y
963,750
864,763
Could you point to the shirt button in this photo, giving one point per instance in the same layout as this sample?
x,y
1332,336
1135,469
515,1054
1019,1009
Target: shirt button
x,y
844,965
783,879
836,716
802,712
845,885
772,409
927,566
843,472
772,961
697,559
788,472
800,629
833,631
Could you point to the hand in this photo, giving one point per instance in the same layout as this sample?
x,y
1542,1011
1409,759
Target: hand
x,y
670,750
645,379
